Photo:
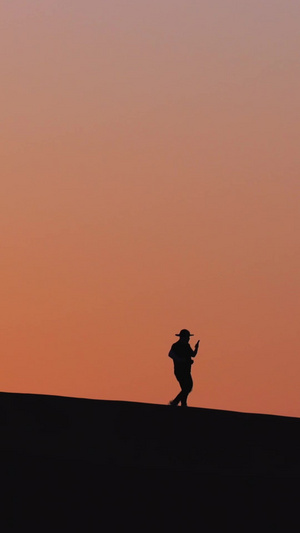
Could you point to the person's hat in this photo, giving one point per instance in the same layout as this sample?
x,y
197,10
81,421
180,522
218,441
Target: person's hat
x,y
184,333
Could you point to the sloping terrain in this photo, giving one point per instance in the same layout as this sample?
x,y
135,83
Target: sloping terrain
x,y
73,464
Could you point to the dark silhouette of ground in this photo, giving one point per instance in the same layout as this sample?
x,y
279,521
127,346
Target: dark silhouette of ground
x,y
72,464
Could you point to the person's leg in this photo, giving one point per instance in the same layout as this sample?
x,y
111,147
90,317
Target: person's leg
x,y
177,399
186,385
180,378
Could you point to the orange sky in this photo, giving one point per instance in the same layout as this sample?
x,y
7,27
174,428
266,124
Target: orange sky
x,y
150,182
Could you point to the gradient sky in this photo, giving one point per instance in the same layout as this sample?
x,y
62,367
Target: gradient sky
x,y
150,182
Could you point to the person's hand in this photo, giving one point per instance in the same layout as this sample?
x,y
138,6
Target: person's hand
x,y
197,345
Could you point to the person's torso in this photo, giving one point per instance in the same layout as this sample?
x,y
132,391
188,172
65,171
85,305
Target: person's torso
x,y
182,353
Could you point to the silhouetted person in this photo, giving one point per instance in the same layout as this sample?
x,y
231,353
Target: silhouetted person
x,y
182,353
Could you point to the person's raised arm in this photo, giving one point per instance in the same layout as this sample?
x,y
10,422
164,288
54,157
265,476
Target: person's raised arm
x,y
196,348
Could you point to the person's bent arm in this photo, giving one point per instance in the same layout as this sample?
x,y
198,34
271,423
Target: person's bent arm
x,y
196,348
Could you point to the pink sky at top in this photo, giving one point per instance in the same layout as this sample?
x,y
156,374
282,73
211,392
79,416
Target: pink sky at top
x,y
150,182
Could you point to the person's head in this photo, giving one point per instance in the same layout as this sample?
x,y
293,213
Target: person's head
x,y
184,335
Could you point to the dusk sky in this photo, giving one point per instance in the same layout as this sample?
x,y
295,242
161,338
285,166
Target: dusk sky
x,y
150,181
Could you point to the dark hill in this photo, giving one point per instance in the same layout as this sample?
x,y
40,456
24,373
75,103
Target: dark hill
x,y
84,465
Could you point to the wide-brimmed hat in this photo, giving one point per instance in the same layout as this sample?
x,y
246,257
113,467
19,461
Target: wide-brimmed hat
x,y
184,333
